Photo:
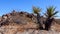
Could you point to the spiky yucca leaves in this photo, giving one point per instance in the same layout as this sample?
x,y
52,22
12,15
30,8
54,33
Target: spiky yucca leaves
x,y
50,17
51,12
36,11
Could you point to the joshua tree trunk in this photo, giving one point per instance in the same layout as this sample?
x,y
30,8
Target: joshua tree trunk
x,y
39,22
48,23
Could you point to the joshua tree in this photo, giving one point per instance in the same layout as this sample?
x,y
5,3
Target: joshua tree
x,y
36,11
50,14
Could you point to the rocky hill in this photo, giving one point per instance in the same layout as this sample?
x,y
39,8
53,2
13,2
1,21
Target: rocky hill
x,y
24,23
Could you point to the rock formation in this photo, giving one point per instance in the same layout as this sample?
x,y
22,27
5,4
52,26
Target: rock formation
x,y
23,23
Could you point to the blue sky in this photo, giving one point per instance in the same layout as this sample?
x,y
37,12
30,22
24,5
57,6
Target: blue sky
x,y
7,6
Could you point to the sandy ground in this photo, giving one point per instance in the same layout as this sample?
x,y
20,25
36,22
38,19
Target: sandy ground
x,y
19,29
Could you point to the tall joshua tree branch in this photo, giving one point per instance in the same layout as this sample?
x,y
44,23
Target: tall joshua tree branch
x,y
50,17
36,11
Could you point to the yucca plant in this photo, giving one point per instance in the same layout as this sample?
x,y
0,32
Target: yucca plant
x,y
50,14
36,10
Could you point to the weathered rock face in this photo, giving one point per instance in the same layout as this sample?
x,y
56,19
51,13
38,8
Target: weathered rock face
x,y
23,23
18,18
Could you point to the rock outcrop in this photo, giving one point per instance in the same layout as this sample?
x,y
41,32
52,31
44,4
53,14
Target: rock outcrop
x,y
24,23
